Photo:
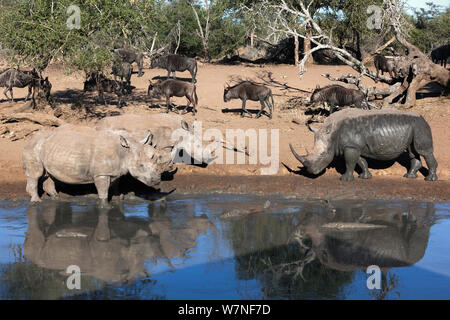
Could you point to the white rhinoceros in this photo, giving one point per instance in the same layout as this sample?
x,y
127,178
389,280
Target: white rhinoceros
x,y
83,155
168,131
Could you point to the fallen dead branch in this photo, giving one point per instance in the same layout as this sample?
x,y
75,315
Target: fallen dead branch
x,y
36,117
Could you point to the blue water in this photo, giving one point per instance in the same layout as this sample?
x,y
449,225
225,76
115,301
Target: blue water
x,y
185,249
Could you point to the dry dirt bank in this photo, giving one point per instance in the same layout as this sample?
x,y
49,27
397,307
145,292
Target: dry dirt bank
x,y
387,181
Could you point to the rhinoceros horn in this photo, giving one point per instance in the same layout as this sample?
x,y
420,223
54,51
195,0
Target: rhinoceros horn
x,y
296,155
312,129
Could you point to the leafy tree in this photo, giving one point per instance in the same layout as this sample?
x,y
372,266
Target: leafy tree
x,y
36,32
431,27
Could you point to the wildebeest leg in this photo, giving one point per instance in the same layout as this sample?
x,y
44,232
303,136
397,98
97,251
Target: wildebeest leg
x,y
5,91
332,107
193,75
102,184
10,93
261,101
362,163
351,156
191,100
174,76
102,97
270,104
416,164
169,106
432,166
49,187
244,110
29,93
362,105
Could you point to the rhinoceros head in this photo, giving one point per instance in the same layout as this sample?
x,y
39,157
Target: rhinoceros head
x,y
185,138
144,162
322,154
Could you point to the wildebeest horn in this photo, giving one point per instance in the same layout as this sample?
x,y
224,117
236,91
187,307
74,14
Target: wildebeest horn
x,y
312,129
296,155
148,138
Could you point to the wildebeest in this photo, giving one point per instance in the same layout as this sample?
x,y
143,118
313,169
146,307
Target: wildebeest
x,y
123,71
12,77
376,134
175,62
384,65
82,155
98,82
336,95
250,91
130,56
440,55
174,88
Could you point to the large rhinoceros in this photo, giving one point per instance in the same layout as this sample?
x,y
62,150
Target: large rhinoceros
x,y
376,134
168,131
83,155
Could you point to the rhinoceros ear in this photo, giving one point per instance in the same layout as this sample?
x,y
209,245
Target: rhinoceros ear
x,y
124,142
184,125
148,139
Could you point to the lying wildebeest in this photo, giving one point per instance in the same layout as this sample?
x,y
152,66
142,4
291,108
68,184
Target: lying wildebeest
x,y
83,155
11,77
175,62
336,95
123,71
169,131
174,88
376,134
384,65
130,56
250,91
98,82
440,55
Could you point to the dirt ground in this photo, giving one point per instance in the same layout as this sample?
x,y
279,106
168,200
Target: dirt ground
x,y
387,181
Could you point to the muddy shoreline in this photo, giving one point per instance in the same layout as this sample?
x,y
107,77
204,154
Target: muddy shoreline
x,y
387,182
291,186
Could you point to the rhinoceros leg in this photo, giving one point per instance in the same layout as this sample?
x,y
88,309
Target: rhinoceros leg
x,y
102,184
34,171
362,163
352,157
416,164
102,231
49,187
432,166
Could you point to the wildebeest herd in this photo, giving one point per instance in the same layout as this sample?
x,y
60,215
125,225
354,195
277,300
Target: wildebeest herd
x,y
145,146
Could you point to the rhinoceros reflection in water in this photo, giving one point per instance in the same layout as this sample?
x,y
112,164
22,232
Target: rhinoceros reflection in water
x,y
103,243
355,237
313,253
